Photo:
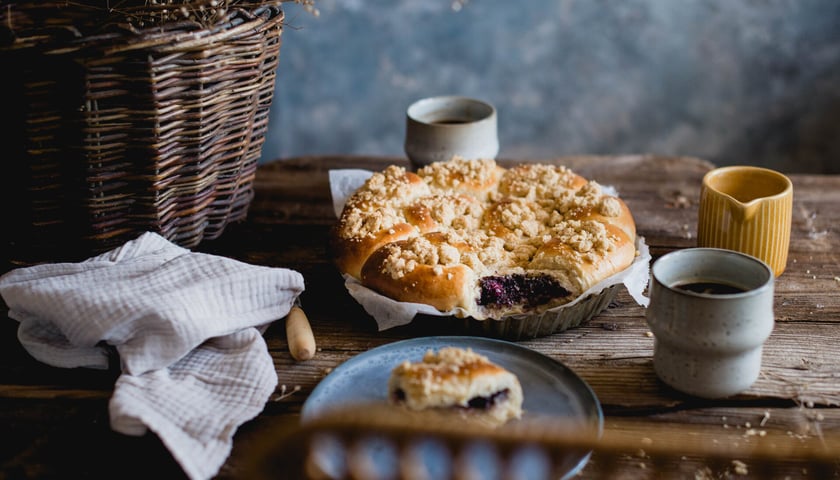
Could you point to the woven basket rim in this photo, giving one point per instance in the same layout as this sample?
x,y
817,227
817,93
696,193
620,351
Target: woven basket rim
x,y
66,33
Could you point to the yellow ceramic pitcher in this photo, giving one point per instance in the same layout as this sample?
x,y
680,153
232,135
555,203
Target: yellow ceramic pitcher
x,y
747,209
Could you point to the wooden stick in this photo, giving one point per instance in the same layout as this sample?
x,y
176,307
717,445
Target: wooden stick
x,y
299,335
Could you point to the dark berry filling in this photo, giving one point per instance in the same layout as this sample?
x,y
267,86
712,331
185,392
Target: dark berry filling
x,y
478,403
486,403
517,289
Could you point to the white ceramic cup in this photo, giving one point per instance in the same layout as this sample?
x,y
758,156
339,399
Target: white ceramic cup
x,y
438,128
709,344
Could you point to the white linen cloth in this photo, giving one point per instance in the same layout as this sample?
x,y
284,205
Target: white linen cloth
x,y
194,364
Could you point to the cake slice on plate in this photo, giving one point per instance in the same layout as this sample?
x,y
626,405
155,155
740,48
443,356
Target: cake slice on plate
x,y
457,380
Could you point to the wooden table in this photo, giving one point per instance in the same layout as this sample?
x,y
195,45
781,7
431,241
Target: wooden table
x,y
55,422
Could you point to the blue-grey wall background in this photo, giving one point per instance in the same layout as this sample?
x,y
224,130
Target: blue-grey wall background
x,y
730,81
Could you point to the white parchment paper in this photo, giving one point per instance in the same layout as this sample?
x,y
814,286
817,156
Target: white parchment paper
x,y
390,313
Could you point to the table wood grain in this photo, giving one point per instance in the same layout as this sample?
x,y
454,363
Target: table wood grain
x,y
55,421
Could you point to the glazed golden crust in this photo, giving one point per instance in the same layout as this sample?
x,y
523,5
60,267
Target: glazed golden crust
x,y
432,237
576,266
425,269
352,253
368,223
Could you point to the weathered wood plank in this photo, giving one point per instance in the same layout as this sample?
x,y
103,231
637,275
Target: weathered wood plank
x,y
288,226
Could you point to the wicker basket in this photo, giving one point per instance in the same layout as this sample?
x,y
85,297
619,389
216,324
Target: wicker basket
x,y
127,120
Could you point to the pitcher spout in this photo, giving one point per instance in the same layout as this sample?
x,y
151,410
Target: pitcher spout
x,y
744,212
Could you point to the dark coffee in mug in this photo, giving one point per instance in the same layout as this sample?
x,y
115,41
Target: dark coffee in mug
x,y
451,121
709,341
711,288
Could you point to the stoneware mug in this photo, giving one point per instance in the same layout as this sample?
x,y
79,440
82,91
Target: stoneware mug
x,y
711,310
438,128
747,209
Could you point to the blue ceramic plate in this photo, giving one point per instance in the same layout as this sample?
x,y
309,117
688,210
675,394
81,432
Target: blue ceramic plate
x,y
549,387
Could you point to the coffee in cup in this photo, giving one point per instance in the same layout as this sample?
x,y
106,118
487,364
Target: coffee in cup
x,y
440,128
711,310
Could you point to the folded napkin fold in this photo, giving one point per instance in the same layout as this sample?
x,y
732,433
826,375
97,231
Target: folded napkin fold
x,y
185,325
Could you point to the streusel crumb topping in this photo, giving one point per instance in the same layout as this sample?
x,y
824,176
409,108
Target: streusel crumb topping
x,y
583,236
522,217
532,213
536,181
393,183
609,207
444,362
588,196
458,172
458,212
403,259
359,224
